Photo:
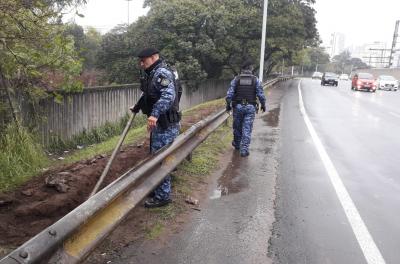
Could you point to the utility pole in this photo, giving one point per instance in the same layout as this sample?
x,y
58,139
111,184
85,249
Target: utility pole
x,y
264,32
395,35
128,10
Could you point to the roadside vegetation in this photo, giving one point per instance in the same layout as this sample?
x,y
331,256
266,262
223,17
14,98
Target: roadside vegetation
x,y
94,136
20,157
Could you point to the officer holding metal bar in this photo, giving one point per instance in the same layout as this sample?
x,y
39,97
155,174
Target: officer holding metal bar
x,y
242,97
160,102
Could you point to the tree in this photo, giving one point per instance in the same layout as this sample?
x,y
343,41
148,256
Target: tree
x,y
91,48
318,59
343,62
116,56
357,63
33,46
87,44
211,38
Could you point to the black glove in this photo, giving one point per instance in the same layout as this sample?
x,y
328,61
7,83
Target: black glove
x,y
263,108
228,105
135,109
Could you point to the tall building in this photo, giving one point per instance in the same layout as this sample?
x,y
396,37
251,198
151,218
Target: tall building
x,y
337,44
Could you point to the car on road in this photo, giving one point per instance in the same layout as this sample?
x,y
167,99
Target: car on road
x,y
317,75
344,77
363,81
329,78
387,82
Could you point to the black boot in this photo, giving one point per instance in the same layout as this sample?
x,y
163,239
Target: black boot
x,y
235,146
244,154
153,202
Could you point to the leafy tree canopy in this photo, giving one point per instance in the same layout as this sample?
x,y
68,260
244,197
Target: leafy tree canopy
x,y
35,53
210,38
32,45
345,63
87,44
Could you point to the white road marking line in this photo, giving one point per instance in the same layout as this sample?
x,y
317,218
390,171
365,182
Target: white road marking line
x,y
364,238
394,114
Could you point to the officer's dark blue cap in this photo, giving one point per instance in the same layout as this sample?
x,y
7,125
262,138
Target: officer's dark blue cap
x,y
147,52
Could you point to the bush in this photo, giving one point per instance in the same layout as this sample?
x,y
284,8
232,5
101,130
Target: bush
x,y
21,157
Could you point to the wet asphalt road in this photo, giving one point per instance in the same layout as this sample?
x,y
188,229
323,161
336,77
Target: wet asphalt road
x,y
359,131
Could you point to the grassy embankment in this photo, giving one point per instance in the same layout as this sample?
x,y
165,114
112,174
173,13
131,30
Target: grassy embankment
x,y
21,158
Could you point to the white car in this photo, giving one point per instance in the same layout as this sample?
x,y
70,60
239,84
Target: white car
x,y
387,82
317,75
344,77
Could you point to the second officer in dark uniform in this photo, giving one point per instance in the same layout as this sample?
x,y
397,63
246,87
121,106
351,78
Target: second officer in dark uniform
x,y
242,97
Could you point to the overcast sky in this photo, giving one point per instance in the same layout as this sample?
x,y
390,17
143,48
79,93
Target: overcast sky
x,y
362,21
106,14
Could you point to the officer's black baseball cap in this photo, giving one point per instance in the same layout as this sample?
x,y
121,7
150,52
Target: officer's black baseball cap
x,y
247,64
147,52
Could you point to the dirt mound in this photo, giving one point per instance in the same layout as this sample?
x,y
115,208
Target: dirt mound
x,y
48,197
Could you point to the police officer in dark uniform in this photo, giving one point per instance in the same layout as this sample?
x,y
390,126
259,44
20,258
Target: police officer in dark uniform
x,y
160,102
242,96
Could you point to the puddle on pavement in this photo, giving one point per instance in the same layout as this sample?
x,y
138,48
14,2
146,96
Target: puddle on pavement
x,y
232,180
272,118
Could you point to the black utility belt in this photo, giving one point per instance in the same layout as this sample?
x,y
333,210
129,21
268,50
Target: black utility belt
x,y
243,102
170,117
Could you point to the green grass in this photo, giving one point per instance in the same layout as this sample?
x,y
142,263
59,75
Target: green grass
x,y
195,109
106,146
154,231
95,136
205,157
20,157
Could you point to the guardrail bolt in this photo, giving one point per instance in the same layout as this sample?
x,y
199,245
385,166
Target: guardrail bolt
x,y
23,254
53,232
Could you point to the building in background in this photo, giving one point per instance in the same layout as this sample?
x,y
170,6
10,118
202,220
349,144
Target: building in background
x,y
375,54
337,44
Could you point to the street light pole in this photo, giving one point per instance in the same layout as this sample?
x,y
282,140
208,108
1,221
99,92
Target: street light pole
x,y
128,10
264,31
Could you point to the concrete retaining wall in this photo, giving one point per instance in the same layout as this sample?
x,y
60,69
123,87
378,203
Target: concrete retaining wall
x,y
95,106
